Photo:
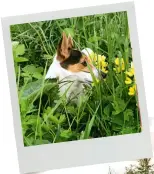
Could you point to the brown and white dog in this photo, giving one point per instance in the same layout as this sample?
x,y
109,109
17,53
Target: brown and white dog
x,y
70,67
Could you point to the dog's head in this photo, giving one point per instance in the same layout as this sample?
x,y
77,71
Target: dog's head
x,y
72,59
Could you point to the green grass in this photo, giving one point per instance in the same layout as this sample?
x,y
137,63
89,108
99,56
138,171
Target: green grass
x,y
106,109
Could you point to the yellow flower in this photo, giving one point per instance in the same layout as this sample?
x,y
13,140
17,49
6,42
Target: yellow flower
x,y
104,70
132,90
104,64
98,58
123,67
128,81
103,58
130,71
119,61
100,62
120,65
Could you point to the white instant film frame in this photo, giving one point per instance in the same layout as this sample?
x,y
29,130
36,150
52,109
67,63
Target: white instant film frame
x,y
83,152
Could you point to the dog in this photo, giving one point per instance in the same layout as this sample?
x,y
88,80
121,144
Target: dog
x,y
71,68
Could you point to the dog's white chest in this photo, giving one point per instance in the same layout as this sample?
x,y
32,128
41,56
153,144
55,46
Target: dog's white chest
x,y
70,83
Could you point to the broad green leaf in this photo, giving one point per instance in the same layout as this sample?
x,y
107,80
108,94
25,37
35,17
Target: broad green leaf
x,y
29,69
20,59
15,44
25,74
40,69
107,110
27,79
118,119
119,105
37,75
30,89
127,114
20,50
34,71
33,89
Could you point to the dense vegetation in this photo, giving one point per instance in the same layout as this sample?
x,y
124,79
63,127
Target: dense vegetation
x,y
108,108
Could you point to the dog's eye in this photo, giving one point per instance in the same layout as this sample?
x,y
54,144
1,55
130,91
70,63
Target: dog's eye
x,y
69,48
84,63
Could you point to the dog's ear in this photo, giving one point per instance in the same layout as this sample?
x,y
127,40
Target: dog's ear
x,y
64,48
70,42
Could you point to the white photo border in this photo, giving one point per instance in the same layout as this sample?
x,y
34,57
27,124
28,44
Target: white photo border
x,y
83,152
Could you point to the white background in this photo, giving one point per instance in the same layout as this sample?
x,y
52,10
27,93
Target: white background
x,y
145,21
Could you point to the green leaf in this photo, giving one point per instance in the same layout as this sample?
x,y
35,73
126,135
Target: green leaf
x,y
28,141
118,119
119,105
29,69
27,79
53,119
66,134
107,110
62,119
15,44
23,106
119,54
39,142
90,123
127,130
35,72
20,59
116,127
45,127
20,50
40,69
80,24
62,23
71,110
69,31
47,56
94,39
118,91
37,75
32,90
128,114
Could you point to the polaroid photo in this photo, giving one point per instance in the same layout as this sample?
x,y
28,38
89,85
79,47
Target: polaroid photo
x,y
76,87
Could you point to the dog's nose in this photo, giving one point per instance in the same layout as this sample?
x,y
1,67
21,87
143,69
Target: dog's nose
x,y
103,75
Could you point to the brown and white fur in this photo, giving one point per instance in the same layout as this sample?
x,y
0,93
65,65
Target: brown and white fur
x,y
71,65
